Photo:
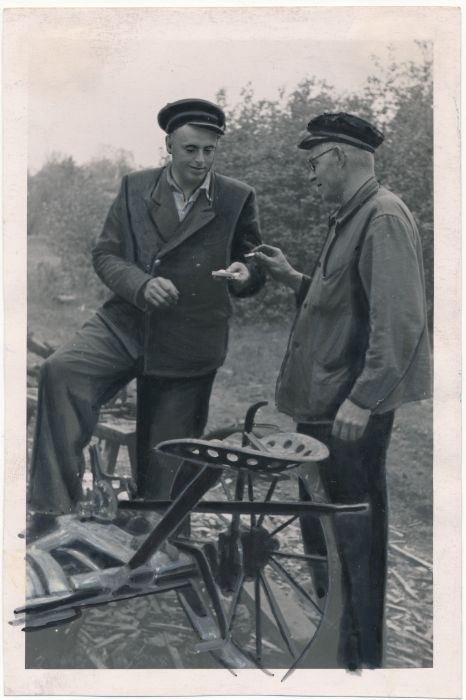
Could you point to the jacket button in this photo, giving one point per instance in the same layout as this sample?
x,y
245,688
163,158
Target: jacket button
x,y
147,268
295,344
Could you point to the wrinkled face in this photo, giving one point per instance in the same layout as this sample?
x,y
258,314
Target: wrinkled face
x,y
327,172
192,150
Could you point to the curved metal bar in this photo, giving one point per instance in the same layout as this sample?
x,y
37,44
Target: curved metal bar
x,y
258,612
300,557
277,508
175,514
206,573
250,415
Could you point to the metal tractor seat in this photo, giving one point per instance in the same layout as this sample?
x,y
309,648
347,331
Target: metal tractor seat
x,y
253,555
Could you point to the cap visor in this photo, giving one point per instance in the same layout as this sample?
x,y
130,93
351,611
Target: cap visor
x,y
310,141
206,125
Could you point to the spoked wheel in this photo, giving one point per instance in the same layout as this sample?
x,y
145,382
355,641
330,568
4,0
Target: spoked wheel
x,y
282,602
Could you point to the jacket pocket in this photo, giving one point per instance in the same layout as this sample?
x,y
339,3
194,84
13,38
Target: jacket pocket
x,y
332,294
329,388
333,349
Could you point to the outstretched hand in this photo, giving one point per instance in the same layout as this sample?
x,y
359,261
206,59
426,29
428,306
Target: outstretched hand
x,y
277,265
241,270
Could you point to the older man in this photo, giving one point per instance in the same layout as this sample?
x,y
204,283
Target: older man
x,y
168,229
359,349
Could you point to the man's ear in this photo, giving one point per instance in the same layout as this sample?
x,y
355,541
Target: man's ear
x,y
168,144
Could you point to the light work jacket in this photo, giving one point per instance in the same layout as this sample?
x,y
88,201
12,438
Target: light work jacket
x,y
361,327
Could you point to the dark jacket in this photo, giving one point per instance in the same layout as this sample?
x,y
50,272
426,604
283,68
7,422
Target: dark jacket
x,y
143,238
361,329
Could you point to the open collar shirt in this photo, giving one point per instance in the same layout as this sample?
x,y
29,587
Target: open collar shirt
x,y
183,205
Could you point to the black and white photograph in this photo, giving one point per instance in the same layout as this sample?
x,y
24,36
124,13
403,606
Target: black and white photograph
x,y
232,354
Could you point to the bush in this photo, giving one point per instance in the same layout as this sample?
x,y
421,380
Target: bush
x,y
67,203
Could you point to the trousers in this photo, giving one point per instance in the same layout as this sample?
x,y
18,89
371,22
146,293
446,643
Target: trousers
x,y
74,383
355,472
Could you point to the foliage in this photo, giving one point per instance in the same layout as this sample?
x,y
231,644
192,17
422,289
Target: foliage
x,y
67,203
260,148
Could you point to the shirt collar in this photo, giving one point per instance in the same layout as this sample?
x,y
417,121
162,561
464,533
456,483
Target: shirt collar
x,y
347,210
205,185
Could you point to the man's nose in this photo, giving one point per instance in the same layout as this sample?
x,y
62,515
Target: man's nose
x,y
200,157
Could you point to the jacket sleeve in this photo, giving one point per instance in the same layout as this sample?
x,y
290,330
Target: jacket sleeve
x,y
113,257
303,290
391,271
246,237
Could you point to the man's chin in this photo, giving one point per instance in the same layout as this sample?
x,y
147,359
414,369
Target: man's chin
x,y
197,174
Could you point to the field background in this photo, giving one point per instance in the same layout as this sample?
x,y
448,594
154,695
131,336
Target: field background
x,y
67,205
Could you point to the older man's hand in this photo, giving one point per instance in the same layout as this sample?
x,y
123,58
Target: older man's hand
x,y
350,421
160,292
277,266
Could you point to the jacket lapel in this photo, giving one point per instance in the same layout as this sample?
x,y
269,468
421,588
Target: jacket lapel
x,y
162,208
165,216
200,215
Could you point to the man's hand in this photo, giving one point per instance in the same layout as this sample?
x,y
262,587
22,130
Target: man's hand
x,y
160,292
242,271
350,421
277,265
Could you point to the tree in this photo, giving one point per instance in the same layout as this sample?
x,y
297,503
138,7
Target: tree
x,y
67,203
260,148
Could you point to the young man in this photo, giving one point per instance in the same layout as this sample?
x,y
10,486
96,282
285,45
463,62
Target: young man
x,y
359,349
166,232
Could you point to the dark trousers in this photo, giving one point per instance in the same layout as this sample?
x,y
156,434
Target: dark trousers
x,y
74,383
354,473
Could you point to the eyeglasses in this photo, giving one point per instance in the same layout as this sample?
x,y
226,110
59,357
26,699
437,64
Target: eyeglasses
x,y
312,161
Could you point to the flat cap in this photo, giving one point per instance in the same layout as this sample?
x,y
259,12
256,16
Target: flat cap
x,y
194,112
344,128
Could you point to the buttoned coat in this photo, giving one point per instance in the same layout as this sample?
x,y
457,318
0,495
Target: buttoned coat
x,y
143,237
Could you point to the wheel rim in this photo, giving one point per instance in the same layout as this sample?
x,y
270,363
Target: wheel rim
x,y
263,572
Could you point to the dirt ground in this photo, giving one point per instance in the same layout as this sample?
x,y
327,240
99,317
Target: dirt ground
x,y
248,376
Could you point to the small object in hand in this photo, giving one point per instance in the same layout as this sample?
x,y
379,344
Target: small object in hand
x,y
225,274
249,255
